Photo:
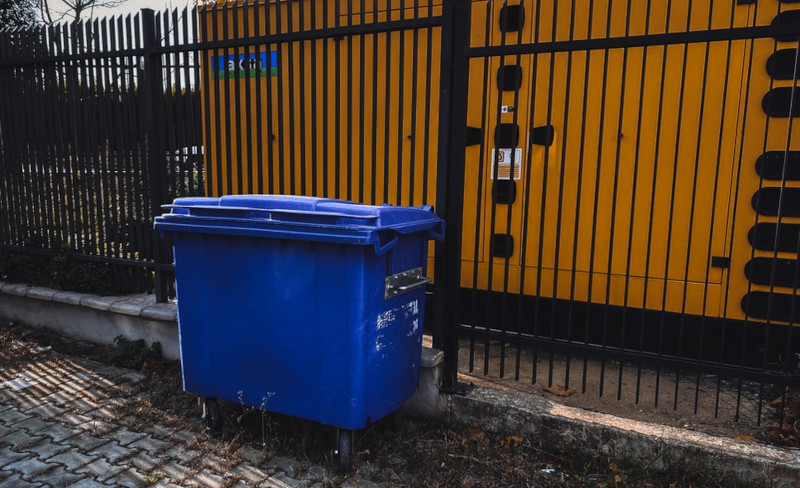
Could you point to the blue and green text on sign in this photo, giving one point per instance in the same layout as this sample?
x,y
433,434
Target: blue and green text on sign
x,y
246,65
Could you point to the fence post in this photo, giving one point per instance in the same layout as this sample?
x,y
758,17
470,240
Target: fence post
x,y
450,184
153,84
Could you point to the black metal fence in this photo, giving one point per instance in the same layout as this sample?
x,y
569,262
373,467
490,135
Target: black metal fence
x,y
99,127
619,229
618,178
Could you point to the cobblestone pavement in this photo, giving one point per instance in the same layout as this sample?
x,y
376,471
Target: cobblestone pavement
x,y
60,426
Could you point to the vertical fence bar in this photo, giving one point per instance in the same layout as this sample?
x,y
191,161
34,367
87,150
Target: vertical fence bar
x,y
413,115
130,138
153,85
361,104
788,365
703,92
479,199
13,151
561,182
578,192
227,132
191,28
337,104
111,215
258,96
631,222
284,76
660,118
302,189
400,106
6,77
138,175
251,70
615,198
374,103
170,92
349,106
387,102
314,164
38,165
450,181
427,120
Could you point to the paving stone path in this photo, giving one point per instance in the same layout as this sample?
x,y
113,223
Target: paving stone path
x,y
60,426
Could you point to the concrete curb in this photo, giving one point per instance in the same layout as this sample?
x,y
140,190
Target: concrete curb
x,y
93,318
566,429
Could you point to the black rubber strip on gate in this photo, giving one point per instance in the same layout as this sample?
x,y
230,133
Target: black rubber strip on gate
x,y
773,272
773,201
770,165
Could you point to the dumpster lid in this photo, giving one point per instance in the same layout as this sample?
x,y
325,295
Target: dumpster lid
x,y
299,217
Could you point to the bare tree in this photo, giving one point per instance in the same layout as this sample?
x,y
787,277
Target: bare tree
x,y
76,9
17,14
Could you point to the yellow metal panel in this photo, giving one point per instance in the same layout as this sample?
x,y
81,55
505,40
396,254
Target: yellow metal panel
x,y
650,174
338,146
657,114
760,133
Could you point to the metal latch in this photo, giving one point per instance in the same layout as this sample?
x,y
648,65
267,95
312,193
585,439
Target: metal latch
x,y
399,283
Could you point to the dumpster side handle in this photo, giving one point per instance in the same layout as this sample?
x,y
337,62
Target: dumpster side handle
x,y
381,249
437,232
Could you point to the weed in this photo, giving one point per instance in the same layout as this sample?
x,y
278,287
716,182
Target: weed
x,y
153,478
260,414
133,354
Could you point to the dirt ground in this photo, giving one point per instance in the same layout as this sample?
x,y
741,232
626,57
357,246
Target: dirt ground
x,y
395,452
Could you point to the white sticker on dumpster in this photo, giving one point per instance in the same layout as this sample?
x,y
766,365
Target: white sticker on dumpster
x,y
405,311
385,319
414,328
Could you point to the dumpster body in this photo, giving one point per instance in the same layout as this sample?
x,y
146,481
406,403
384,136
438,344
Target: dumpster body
x,y
303,306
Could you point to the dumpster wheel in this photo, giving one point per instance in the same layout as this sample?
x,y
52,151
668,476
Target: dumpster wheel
x,y
345,450
211,416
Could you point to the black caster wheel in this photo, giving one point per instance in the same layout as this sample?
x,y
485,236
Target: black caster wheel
x,y
396,419
345,450
211,416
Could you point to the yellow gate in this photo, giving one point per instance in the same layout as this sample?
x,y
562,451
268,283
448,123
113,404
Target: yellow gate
x,y
618,158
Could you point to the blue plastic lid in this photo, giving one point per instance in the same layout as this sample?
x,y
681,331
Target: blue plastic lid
x,y
298,217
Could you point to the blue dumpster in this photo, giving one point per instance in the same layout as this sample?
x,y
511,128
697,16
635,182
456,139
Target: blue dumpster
x,y
304,306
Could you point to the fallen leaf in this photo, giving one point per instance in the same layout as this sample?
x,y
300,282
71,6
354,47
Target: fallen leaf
x,y
559,390
512,441
745,438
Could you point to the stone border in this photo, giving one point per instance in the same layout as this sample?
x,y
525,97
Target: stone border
x,y
589,434
144,306
93,318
